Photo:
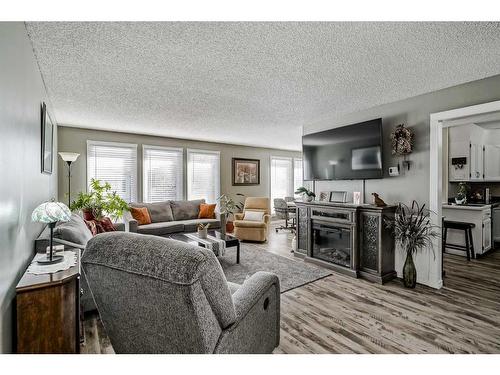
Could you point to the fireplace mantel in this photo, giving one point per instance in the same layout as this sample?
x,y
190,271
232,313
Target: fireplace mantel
x,y
361,226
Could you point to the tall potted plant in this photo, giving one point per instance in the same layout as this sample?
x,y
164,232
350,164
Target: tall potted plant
x,y
228,206
98,201
414,232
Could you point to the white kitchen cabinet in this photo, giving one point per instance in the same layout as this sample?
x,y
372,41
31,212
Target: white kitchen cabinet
x,y
459,149
480,216
476,162
486,234
492,162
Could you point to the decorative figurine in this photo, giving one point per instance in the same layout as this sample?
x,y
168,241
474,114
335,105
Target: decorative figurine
x,y
377,201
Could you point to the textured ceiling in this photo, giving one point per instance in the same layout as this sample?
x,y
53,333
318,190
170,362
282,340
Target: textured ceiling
x,y
249,83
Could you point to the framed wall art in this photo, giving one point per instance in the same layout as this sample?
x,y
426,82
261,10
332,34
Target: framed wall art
x,y
47,141
246,172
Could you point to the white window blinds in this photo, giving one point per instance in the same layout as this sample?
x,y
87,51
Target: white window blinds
x,y
281,178
162,173
297,174
115,163
203,175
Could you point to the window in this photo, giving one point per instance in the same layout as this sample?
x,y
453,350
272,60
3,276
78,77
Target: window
x,y
115,163
203,175
281,178
297,175
162,169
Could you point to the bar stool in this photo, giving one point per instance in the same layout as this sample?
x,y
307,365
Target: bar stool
x,y
467,228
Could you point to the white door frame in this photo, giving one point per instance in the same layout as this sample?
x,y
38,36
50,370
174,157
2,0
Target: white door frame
x,y
436,172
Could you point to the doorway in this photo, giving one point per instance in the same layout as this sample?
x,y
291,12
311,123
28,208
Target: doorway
x,y
440,123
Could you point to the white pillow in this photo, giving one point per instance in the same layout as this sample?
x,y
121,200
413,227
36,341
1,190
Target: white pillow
x,y
253,215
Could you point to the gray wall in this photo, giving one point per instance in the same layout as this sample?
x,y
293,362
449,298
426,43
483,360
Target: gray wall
x,y
23,186
75,140
414,112
412,184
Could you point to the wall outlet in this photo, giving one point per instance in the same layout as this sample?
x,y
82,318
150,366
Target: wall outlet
x,y
393,171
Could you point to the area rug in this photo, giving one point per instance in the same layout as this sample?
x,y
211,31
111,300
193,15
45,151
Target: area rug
x,y
292,273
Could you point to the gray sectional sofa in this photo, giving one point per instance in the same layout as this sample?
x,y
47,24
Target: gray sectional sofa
x,y
170,217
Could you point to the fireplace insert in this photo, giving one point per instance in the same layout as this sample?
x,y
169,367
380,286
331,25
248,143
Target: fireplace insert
x,y
332,242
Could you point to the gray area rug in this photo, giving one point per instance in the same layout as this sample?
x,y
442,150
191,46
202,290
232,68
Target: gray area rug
x,y
292,273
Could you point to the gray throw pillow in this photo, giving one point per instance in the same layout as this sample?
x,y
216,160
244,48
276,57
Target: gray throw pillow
x,y
75,230
159,212
186,210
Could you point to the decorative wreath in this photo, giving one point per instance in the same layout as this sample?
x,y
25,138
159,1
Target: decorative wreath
x,y
402,140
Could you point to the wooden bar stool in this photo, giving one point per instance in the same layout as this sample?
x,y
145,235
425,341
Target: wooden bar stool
x,y
467,228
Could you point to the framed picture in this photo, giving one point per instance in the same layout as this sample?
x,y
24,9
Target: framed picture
x,y
47,141
356,197
246,172
324,196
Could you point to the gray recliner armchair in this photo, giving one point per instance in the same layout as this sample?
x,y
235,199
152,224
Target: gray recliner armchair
x,y
157,295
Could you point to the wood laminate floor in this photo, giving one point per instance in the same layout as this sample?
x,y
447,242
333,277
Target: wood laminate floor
x,y
339,314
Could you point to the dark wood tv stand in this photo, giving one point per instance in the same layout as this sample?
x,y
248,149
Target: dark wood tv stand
x,y
351,239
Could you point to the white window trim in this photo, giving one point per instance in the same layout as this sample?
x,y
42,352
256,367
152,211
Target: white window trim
x,y
203,151
116,144
163,148
153,147
199,151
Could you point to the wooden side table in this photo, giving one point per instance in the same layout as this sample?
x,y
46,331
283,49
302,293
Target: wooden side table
x,y
48,311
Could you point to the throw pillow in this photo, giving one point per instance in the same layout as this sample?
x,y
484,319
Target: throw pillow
x,y
253,215
92,227
141,214
207,211
75,230
159,212
186,210
107,225
88,215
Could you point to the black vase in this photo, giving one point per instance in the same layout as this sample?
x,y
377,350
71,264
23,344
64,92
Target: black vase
x,y
409,272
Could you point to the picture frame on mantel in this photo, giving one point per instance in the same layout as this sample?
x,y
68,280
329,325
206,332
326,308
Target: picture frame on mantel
x,y
246,172
47,142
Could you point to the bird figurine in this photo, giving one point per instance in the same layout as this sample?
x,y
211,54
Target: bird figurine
x,y
377,201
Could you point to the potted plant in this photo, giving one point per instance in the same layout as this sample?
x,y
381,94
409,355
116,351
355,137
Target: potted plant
x,y
98,201
414,232
203,230
228,206
307,195
461,197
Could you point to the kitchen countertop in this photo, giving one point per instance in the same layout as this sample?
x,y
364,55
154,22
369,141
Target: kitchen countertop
x,y
467,207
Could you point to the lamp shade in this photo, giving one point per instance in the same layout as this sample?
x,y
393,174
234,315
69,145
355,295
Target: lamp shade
x,y
69,156
50,212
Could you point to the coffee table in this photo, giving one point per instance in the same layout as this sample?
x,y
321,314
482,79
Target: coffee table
x,y
229,239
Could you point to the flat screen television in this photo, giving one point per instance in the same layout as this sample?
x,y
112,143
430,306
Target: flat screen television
x,y
352,152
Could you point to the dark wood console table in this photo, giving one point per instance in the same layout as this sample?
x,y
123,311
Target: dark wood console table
x,y
351,239
48,311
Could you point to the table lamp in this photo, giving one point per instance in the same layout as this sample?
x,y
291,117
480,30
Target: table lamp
x,y
69,158
50,213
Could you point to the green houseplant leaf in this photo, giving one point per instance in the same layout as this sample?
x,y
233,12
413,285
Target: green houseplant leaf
x,y
100,200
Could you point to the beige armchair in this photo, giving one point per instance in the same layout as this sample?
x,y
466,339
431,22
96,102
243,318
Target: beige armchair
x,y
253,230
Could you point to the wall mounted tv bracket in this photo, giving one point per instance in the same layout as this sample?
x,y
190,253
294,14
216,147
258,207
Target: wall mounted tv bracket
x,y
459,163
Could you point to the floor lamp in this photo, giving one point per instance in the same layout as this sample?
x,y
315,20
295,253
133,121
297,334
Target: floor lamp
x,y
69,158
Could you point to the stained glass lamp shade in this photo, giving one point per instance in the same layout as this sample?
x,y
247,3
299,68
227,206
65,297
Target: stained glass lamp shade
x,y
50,213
